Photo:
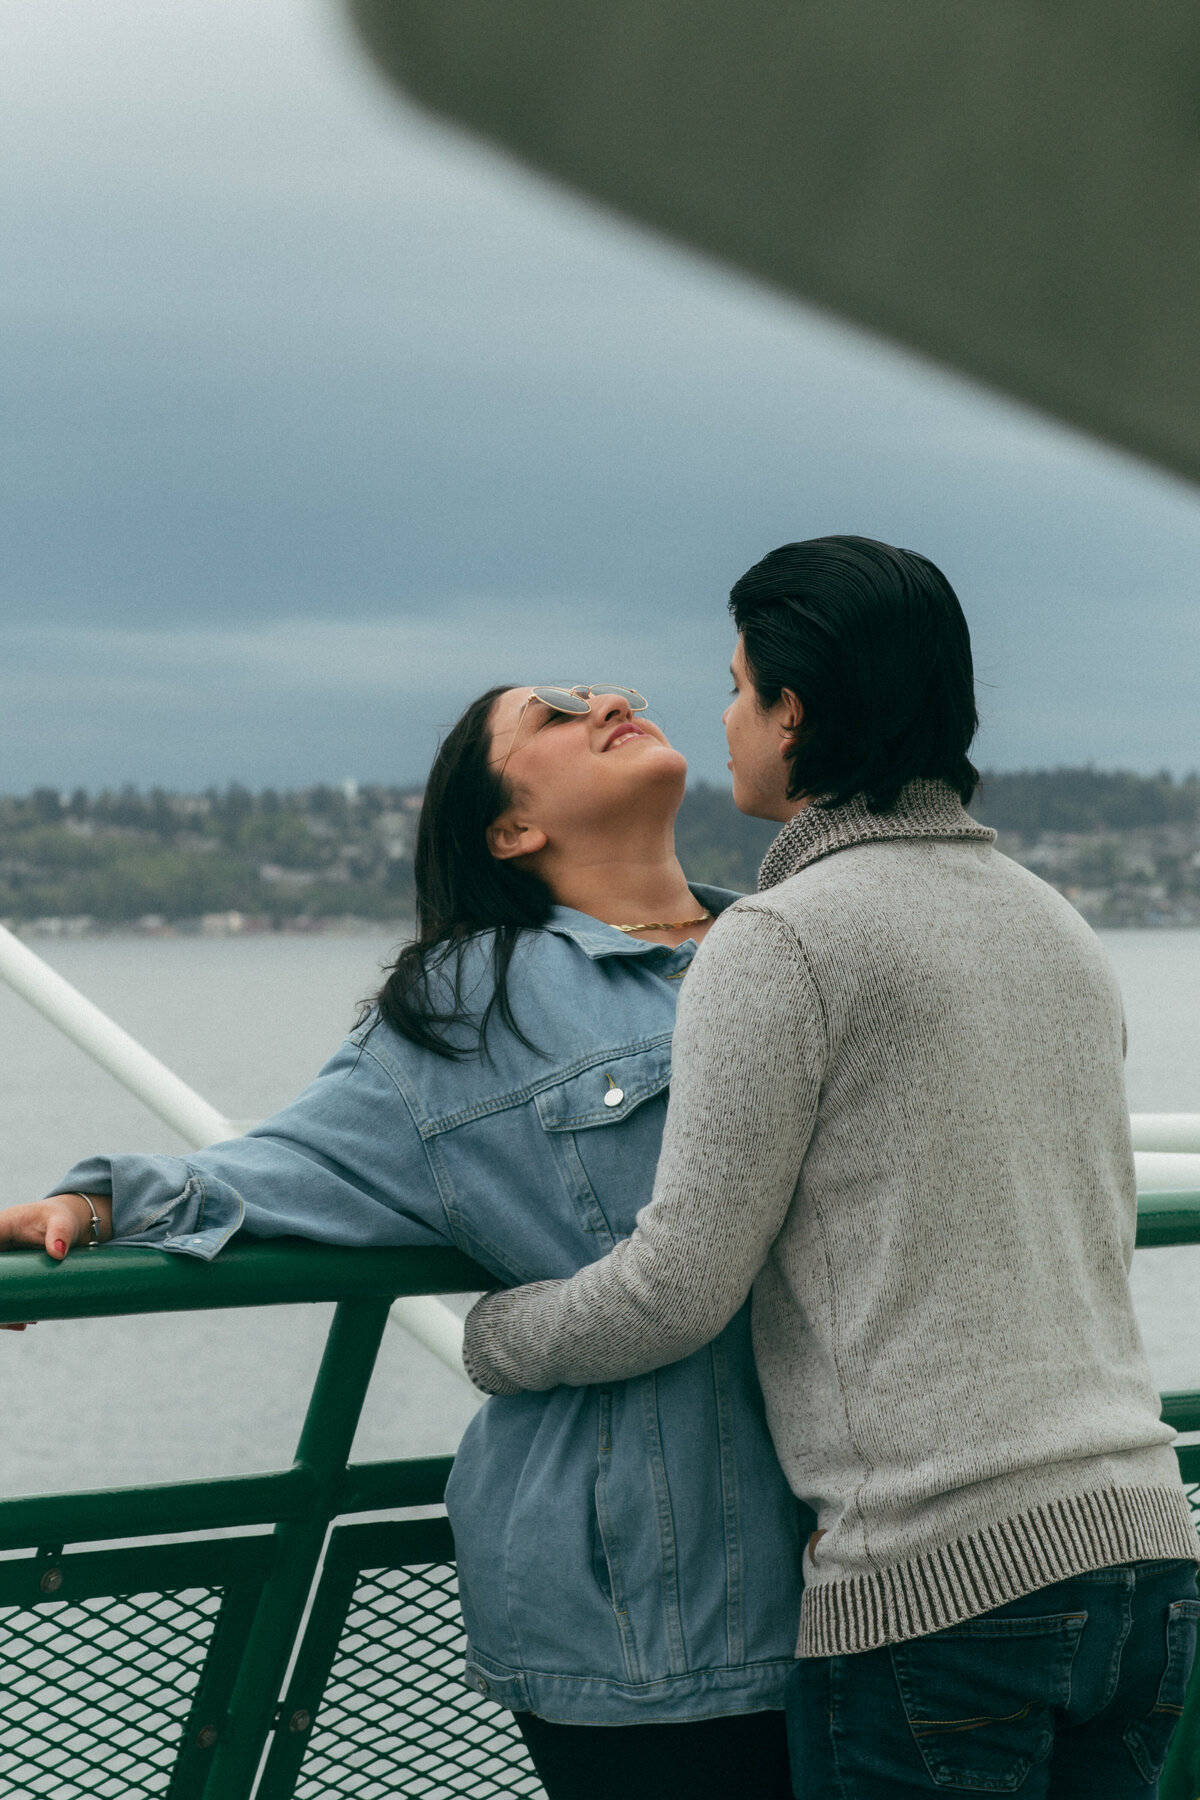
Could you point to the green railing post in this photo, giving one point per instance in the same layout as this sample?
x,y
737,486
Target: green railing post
x,y
221,1749
323,1453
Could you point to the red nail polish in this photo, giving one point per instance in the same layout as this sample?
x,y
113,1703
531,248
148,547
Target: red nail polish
x,y
60,1246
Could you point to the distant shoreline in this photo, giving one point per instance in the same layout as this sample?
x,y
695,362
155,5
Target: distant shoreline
x,y
212,926
397,931
1124,849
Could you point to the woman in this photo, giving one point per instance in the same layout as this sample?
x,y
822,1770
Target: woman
x,y
628,1555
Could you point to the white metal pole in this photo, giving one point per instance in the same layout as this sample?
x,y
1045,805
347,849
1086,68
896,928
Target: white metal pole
x,y
427,1319
432,1323
1159,1171
1178,1132
134,1067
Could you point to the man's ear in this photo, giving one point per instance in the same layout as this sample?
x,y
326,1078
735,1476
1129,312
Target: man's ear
x,y
507,837
791,717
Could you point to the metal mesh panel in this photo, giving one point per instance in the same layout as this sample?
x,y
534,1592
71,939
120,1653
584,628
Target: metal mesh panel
x,y
1192,1490
395,1718
94,1694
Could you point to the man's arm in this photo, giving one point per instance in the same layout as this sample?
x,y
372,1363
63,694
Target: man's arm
x,y
749,1055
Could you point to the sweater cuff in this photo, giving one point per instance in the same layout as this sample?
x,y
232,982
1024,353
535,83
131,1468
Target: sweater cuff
x,y
476,1362
486,1339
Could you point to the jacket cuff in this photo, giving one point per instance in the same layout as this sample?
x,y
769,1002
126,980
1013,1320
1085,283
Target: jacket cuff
x,y
161,1202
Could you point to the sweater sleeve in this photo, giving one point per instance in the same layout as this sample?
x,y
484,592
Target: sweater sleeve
x,y
749,1055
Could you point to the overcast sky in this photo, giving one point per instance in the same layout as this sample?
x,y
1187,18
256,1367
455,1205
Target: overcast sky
x,y
316,419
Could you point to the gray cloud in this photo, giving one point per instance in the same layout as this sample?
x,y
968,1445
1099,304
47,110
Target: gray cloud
x,y
186,703
316,419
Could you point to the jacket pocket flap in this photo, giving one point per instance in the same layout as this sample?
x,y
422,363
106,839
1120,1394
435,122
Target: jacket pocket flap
x,y
607,1092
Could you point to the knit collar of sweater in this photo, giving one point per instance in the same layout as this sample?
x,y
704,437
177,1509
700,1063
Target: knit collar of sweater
x,y
923,809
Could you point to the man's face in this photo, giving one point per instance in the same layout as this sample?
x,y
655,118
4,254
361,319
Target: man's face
x,y
757,740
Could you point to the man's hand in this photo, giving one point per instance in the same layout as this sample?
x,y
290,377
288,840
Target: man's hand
x,y
53,1225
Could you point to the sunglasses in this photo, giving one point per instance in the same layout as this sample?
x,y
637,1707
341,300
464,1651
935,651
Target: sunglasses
x,y
571,700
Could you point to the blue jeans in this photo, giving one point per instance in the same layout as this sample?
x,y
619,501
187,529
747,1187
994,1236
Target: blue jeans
x,y
1070,1693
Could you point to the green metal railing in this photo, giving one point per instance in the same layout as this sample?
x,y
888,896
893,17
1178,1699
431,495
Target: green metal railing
x,y
158,1669
301,1660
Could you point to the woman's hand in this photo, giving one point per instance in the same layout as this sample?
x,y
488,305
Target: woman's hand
x,y
53,1225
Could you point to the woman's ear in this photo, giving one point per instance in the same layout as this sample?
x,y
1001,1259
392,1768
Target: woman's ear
x,y
507,837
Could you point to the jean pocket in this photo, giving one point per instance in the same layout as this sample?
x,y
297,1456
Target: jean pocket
x,y
1149,1739
980,1697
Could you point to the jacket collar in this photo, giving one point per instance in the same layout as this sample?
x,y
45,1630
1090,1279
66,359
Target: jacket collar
x,y
923,809
595,938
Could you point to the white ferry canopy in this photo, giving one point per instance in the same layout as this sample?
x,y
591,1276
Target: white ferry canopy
x,y
1013,189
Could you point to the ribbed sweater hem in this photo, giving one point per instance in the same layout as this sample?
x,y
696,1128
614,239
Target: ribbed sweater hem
x,y
998,1563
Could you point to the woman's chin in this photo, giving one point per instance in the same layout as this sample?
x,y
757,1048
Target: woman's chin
x,y
664,760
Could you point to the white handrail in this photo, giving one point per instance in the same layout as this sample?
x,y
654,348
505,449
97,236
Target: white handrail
x,y
1178,1132
435,1327
99,1037
1161,1170
425,1318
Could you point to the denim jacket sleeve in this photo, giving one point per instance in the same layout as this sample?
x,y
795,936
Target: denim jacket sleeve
x,y
344,1163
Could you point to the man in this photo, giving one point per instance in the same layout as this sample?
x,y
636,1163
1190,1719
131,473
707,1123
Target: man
x,y
898,1112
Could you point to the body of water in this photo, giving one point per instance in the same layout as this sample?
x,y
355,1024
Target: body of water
x,y
248,1021
93,1403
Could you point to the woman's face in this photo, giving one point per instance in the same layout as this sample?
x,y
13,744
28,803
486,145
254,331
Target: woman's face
x,y
583,771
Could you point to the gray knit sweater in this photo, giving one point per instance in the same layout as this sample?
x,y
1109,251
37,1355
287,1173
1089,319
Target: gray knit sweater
x,y
897,1110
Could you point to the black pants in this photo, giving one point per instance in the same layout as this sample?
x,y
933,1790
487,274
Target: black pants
x,y
739,1758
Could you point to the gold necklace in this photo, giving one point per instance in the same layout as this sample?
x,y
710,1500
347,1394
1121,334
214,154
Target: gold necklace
x,y
666,924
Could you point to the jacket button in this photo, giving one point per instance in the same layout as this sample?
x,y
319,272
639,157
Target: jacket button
x,y
614,1096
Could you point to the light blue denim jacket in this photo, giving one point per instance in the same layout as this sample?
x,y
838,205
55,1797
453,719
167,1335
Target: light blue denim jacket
x,y
627,1553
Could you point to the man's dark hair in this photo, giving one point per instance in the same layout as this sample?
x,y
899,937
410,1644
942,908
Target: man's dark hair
x,y
873,643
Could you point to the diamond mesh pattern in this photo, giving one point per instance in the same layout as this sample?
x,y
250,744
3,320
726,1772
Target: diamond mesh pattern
x,y
396,1719
1192,1490
94,1694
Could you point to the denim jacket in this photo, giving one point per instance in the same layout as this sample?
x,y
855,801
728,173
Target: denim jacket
x,y
627,1553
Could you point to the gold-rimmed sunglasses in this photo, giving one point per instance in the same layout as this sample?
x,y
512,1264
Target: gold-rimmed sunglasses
x,y
571,700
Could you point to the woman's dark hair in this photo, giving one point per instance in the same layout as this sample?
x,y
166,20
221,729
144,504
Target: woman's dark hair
x,y
463,892
873,643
